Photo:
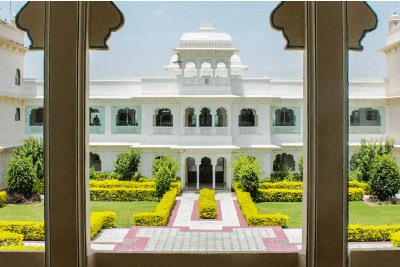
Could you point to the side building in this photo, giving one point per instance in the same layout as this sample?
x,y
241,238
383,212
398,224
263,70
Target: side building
x,y
205,112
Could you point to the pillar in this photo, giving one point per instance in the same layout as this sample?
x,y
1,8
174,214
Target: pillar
x,y
198,175
213,164
183,172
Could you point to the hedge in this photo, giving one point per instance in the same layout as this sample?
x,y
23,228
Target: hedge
x,y
34,231
21,247
356,184
371,233
280,195
356,194
8,238
281,185
2,198
395,239
160,216
252,215
100,220
207,204
122,194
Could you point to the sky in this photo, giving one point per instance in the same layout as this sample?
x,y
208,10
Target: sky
x,y
153,29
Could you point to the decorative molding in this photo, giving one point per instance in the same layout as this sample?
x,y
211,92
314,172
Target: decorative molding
x,y
104,18
13,47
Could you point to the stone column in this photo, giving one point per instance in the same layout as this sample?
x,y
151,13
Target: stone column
x,y
198,174
213,164
213,112
197,111
183,172
198,66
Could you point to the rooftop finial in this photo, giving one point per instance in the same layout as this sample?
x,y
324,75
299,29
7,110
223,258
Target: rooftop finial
x,y
206,27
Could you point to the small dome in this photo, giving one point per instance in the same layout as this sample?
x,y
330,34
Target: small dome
x,y
235,60
173,60
206,37
394,16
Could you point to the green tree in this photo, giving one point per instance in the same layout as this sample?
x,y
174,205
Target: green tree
x,y
281,172
385,177
246,170
127,164
238,164
300,165
21,176
361,160
168,162
164,170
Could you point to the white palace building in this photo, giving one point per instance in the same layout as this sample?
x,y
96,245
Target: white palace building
x,y
203,113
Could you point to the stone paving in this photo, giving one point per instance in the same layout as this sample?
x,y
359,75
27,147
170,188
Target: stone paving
x,y
185,232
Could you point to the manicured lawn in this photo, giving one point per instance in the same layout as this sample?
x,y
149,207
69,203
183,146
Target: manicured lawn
x,y
124,211
359,213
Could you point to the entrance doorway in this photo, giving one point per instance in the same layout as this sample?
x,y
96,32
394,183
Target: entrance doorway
x,y
206,170
191,171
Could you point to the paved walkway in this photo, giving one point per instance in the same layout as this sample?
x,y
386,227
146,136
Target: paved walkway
x,y
185,232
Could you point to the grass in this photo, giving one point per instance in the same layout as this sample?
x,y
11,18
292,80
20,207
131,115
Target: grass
x,y
124,211
359,213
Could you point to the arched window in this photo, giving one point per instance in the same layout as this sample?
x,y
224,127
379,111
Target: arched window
x,y
94,117
126,117
163,118
285,117
205,118
221,118
284,159
190,117
17,114
95,162
18,77
365,117
247,118
36,117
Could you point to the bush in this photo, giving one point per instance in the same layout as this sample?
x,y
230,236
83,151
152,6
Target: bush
x,y
127,164
281,185
356,194
32,231
280,195
103,176
122,194
100,220
9,238
2,198
356,184
167,162
281,172
252,215
160,216
239,163
371,233
207,204
21,176
395,239
361,160
21,247
164,170
300,166
384,177
246,170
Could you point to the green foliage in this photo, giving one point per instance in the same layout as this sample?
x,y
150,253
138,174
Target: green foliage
x,y
300,166
122,194
207,204
21,176
127,164
246,170
8,238
366,153
384,177
2,198
164,170
395,239
280,173
32,231
371,233
280,195
100,220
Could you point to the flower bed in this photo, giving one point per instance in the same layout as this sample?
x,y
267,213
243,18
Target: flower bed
x,y
207,204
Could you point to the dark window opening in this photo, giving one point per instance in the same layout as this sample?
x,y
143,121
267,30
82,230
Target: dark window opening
x,y
17,114
164,117
247,118
284,117
365,117
94,116
205,118
126,117
36,117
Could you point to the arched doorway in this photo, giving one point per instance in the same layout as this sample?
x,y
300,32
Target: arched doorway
x,y
206,170
191,171
220,172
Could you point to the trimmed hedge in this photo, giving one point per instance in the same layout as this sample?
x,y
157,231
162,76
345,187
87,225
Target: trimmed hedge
x,y
207,204
100,220
122,194
281,185
356,184
371,233
252,215
160,216
34,231
31,231
395,239
8,238
21,247
280,195
356,194
2,198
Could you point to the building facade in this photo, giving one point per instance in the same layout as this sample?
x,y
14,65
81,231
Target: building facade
x,y
204,112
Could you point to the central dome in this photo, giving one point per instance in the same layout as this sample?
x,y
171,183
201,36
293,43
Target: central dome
x,y
206,37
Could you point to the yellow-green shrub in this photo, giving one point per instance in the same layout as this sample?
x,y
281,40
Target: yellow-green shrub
x,y
121,184
395,239
160,216
356,184
122,194
20,247
33,231
178,186
252,215
280,195
100,220
356,194
9,238
2,198
207,204
371,233
281,185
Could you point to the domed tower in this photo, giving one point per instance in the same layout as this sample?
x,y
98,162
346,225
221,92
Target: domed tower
x,y
392,51
205,58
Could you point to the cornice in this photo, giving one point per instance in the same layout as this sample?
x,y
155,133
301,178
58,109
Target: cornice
x,y
7,99
13,47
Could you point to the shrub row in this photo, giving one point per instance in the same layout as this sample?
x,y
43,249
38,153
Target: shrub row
x,y
122,194
281,185
160,216
21,247
207,204
8,238
371,233
119,184
252,215
395,239
2,198
34,231
100,220
280,195
356,184
356,194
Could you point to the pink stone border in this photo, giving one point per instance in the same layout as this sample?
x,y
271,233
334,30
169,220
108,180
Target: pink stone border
x,y
196,216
